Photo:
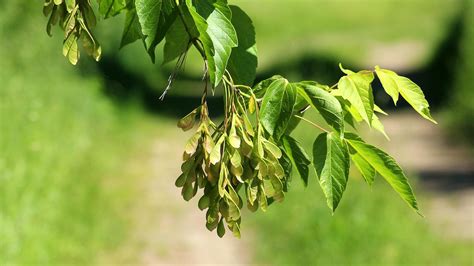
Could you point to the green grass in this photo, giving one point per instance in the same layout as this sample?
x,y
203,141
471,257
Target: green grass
x,y
372,226
61,143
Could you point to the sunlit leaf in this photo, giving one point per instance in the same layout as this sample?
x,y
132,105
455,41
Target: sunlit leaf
x,y
388,79
366,170
356,88
387,167
411,92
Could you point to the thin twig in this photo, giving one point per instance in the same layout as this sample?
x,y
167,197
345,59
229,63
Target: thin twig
x,y
172,77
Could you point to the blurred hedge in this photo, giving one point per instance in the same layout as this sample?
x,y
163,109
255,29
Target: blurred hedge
x,y
461,107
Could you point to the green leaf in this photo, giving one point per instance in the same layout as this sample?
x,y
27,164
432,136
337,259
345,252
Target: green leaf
x,y
411,92
327,105
243,61
297,156
110,8
287,167
387,167
377,125
89,15
155,17
177,41
388,79
357,89
261,88
277,107
366,170
345,71
132,30
331,162
299,109
379,110
212,18
206,41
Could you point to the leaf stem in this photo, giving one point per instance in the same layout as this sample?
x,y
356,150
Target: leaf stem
x,y
312,123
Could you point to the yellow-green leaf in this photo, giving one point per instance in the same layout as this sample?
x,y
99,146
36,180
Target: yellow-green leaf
x,y
356,88
388,168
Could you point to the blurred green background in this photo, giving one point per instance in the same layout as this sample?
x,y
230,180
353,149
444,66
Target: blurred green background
x,y
88,154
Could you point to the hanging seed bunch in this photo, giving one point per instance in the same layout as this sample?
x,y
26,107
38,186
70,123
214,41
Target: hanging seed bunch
x,y
76,18
235,164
